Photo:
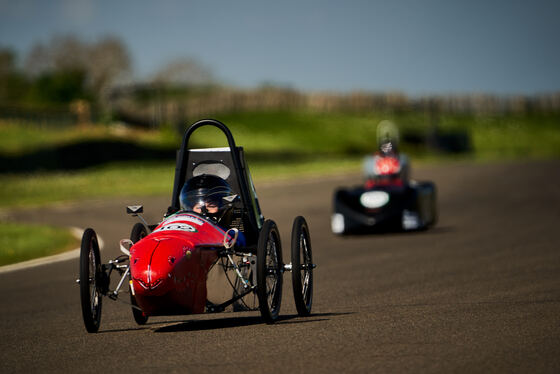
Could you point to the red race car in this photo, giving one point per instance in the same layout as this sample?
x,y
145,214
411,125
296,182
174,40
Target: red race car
x,y
213,231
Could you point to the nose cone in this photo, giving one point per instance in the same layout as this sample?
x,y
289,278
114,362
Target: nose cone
x,y
169,269
152,262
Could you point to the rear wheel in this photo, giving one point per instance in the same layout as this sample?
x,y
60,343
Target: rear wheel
x,y
90,281
427,206
433,206
269,272
302,266
343,201
138,232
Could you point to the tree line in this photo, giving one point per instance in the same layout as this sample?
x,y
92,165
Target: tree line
x,y
63,70
73,77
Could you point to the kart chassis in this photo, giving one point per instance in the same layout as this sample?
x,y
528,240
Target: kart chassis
x,y
258,267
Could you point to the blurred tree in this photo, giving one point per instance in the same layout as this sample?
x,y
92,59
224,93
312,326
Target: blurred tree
x,y
178,78
60,64
13,84
68,54
7,61
107,62
37,61
61,53
58,87
184,71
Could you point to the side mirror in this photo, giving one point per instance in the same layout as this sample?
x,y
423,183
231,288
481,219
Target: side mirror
x,y
134,209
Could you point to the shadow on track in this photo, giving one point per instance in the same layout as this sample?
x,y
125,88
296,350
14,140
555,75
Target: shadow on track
x,y
387,231
229,322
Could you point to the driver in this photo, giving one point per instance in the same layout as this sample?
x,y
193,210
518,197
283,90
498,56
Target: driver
x,y
211,197
387,149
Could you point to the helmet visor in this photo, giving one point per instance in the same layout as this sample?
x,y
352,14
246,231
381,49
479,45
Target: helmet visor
x,y
204,200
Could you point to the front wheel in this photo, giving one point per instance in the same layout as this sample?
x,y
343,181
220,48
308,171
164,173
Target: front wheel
x,y
338,224
90,281
302,266
269,272
138,232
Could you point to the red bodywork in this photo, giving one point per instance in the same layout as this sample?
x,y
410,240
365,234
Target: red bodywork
x,y
387,169
387,165
169,267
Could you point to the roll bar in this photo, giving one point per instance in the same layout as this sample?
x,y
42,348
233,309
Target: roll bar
x,y
183,159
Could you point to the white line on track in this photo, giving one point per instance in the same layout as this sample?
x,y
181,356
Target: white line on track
x,y
75,253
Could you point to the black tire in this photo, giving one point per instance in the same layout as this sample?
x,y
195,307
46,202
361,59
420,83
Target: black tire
x,y
269,272
302,266
90,281
339,224
434,208
428,205
138,232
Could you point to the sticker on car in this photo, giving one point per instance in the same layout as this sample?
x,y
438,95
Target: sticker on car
x,y
185,217
177,227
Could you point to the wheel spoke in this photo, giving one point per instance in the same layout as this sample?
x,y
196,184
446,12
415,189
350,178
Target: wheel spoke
x,y
305,285
94,303
271,294
94,296
271,271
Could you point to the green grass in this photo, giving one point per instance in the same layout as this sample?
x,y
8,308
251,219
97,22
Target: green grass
x,y
308,134
304,133
21,242
277,145
111,180
19,138
515,137
133,179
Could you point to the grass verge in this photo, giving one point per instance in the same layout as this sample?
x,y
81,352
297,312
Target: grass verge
x,y
134,179
21,242
278,145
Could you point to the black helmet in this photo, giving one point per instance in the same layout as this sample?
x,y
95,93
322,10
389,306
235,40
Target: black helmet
x,y
208,192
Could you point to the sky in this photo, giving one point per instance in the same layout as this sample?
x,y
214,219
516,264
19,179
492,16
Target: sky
x,y
415,47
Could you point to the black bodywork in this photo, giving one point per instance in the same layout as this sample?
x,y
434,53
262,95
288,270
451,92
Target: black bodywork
x,y
411,206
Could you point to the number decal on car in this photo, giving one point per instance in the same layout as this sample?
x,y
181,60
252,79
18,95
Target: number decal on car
x,y
177,227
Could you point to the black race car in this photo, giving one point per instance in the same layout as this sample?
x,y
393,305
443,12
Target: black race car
x,y
388,200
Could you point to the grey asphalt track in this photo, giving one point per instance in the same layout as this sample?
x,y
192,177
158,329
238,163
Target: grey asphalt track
x,y
480,292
